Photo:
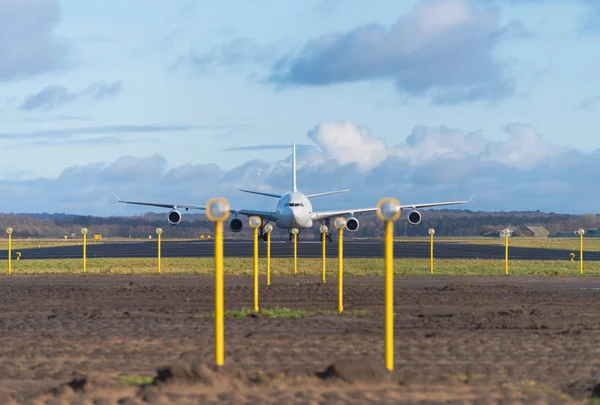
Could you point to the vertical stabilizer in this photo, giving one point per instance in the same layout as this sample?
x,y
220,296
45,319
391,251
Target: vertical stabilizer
x,y
294,189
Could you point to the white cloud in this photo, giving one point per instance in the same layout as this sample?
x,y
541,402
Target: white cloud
x,y
523,150
519,172
28,45
54,96
442,49
348,144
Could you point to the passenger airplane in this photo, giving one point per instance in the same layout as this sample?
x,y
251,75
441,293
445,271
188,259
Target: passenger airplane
x,y
293,210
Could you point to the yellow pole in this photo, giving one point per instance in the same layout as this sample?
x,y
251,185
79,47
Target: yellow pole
x,y
85,253
581,254
506,254
324,260
341,270
256,269
9,253
389,295
431,254
268,258
159,253
219,313
295,254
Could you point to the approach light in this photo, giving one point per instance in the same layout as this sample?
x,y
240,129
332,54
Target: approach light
x,y
339,222
84,231
158,231
217,209
581,231
323,229
388,209
432,231
9,230
268,228
255,222
295,231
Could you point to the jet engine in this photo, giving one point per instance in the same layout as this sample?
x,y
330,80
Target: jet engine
x,y
352,224
414,217
236,225
174,217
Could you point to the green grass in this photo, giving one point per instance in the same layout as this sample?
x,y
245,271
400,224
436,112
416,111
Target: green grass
x,y
306,267
572,244
136,380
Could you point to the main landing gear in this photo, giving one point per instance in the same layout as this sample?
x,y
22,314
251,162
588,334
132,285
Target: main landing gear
x,y
328,235
261,232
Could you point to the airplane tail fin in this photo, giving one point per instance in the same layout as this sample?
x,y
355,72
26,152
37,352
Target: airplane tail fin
x,y
294,188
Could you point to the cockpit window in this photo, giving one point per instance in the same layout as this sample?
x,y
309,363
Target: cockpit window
x,y
296,204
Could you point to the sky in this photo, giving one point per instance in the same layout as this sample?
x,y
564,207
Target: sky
x,y
182,101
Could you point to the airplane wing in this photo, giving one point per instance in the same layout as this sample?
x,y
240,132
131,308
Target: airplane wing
x,y
269,215
329,214
172,206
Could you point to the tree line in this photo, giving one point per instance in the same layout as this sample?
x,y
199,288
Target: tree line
x,y
445,222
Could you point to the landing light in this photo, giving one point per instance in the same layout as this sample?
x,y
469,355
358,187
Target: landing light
x,y
255,222
388,209
340,222
217,209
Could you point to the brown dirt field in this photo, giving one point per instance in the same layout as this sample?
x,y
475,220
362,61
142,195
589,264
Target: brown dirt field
x,y
473,340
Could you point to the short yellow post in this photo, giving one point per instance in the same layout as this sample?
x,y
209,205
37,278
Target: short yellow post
x,y
84,231
217,210
506,236
581,232
431,233
9,231
158,232
295,233
18,256
340,223
324,229
268,230
388,210
255,223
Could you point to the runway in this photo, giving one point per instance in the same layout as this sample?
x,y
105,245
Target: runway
x,y
306,249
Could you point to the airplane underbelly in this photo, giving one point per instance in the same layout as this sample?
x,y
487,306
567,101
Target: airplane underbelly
x,y
289,223
284,223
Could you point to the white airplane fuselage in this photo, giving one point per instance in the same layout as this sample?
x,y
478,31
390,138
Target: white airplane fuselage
x,y
294,210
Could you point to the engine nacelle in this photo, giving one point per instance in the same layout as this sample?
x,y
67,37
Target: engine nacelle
x,y
236,225
414,217
352,224
174,217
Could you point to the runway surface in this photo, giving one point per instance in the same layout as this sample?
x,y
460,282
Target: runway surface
x,y
307,249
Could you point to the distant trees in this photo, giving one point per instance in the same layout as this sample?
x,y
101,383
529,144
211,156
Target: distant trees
x,y
445,222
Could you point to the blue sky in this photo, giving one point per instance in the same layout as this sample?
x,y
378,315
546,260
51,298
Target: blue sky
x,y
421,100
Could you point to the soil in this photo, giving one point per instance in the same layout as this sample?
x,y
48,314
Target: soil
x,y
458,340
